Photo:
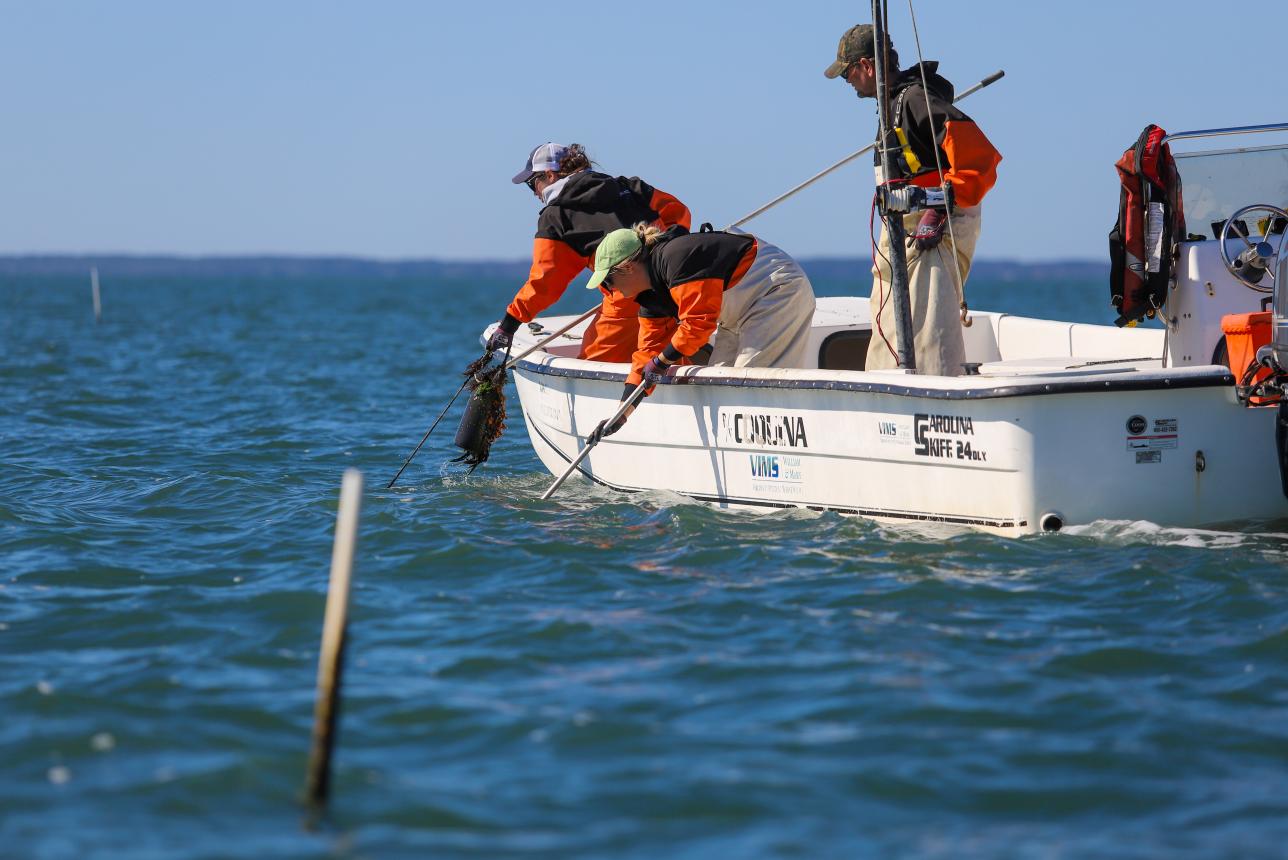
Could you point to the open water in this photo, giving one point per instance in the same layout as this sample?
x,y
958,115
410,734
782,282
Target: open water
x,y
594,676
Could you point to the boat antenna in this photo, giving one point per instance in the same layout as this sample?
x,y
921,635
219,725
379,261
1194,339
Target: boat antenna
x,y
943,181
890,215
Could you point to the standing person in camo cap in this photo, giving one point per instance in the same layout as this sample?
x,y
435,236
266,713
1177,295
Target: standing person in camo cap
x,y
688,286
927,133
580,206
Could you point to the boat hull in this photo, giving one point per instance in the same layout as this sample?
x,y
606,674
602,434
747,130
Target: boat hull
x,y
1010,455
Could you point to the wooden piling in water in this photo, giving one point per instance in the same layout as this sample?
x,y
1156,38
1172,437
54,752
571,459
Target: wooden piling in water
x,y
93,286
331,657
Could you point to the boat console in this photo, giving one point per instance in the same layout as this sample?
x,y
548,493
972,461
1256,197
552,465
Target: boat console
x,y
1235,200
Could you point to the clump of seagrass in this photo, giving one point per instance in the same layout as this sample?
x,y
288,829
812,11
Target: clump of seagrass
x,y
484,418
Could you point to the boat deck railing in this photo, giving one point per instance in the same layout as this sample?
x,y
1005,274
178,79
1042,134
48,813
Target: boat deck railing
x,y
1221,132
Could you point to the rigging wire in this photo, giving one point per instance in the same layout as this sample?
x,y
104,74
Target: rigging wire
x,y
881,56
967,320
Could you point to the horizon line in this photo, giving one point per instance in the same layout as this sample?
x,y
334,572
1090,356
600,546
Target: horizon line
x,y
70,256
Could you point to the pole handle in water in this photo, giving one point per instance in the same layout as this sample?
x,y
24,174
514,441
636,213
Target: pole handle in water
x,y
626,405
426,436
508,365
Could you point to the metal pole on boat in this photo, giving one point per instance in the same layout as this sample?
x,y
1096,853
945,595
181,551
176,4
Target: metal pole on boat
x,y
626,404
334,629
541,343
893,220
93,288
993,78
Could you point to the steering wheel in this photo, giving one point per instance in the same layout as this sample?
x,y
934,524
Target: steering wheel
x,y
1262,249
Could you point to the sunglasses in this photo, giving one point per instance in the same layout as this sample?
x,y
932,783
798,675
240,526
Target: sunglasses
x,y
532,182
607,284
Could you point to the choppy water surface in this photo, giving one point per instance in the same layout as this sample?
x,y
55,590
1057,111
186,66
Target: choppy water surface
x,y
598,675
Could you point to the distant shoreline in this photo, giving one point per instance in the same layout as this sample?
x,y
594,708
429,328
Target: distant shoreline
x,y
280,266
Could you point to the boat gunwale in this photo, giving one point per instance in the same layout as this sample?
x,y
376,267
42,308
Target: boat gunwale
x,y
1211,376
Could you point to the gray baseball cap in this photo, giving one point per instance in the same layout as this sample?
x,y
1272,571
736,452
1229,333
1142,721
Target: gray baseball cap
x,y
545,157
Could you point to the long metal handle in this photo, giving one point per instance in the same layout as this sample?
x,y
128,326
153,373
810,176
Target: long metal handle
x,y
541,343
626,404
993,78
416,450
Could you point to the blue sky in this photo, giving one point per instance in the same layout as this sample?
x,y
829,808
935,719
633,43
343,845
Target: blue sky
x,y
391,129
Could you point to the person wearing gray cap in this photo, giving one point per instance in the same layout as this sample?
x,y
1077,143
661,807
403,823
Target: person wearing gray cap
x,y
579,206
937,145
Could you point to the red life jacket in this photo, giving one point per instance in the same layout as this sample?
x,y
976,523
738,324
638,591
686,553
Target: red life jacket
x,y
1151,219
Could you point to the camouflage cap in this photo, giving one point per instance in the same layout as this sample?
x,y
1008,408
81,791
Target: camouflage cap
x,y
857,43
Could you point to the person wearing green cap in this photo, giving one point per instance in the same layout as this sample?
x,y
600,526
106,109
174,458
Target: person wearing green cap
x,y
937,146
750,294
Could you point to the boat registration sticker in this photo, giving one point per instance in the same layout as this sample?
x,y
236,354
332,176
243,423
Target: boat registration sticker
x,y
1162,435
1149,457
1152,443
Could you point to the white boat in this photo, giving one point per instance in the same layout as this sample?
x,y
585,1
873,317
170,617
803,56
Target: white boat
x,y
1061,423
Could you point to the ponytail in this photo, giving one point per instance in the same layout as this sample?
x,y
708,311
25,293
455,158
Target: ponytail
x,y
648,233
574,159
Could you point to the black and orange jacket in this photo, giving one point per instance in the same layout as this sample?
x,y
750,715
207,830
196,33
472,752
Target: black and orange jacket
x,y
590,205
969,159
689,273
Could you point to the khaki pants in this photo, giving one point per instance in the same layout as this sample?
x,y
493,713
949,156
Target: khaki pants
x,y
765,318
932,291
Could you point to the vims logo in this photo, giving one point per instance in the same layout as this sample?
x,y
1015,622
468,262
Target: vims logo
x,y
764,466
779,468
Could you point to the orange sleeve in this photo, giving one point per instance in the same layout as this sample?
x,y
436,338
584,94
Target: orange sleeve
x,y
654,334
972,161
670,211
554,265
699,311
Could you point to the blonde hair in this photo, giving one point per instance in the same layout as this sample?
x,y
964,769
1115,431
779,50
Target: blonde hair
x,y
648,233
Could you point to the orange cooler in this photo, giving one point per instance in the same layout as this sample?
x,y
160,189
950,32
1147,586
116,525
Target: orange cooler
x,y
1244,335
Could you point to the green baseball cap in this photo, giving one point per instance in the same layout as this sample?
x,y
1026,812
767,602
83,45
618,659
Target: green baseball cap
x,y
614,249
857,43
